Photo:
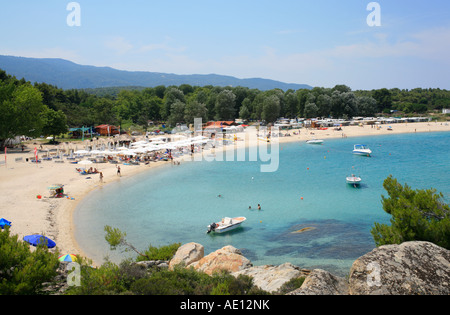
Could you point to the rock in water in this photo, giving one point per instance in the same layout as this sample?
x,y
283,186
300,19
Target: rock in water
x,y
304,230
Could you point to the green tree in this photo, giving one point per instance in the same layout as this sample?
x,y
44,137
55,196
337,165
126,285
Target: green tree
x,y
20,112
244,112
55,122
195,109
22,271
311,110
302,96
116,238
103,112
416,215
172,94
324,102
176,113
291,109
271,109
225,105
383,98
367,106
350,105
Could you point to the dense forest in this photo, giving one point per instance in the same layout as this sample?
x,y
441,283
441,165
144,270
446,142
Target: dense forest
x,y
40,108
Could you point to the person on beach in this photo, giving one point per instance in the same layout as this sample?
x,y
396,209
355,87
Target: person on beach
x,y
118,170
101,177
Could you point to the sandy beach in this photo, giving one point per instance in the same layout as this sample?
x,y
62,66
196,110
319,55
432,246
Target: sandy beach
x,y
21,182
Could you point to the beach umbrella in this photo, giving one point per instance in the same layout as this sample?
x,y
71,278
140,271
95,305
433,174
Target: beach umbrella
x,y
37,239
4,222
127,153
55,186
85,162
140,150
68,258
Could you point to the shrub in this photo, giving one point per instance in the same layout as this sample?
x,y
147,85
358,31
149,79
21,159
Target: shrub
x,y
160,253
23,271
291,285
416,215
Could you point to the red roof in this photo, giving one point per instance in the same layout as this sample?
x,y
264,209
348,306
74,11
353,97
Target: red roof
x,y
106,127
218,124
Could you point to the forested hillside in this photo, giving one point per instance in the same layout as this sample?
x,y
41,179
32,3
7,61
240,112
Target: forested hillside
x,y
69,75
40,108
176,104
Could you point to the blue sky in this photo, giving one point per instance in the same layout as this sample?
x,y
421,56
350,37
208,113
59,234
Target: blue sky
x,y
320,43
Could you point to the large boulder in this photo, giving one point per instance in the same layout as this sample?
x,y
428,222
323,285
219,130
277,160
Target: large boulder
x,y
271,278
187,254
321,282
411,268
227,258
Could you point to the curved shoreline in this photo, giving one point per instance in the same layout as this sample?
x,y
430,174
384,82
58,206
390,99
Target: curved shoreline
x,y
21,182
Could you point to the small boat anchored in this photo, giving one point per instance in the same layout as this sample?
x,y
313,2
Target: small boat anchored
x,y
361,149
227,224
314,141
353,180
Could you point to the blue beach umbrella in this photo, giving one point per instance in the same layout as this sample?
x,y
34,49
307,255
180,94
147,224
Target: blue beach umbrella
x,y
37,239
4,222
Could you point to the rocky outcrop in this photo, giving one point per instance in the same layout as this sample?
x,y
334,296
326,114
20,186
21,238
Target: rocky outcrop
x,y
271,278
411,268
227,258
321,282
187,254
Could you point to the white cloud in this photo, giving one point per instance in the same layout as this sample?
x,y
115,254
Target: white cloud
x,y
164,46
119,45
427,45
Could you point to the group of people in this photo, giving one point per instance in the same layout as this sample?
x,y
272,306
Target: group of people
x,y
259,207
89,171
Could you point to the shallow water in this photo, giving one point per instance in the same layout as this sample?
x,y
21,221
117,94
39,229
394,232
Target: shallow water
x,y
175,204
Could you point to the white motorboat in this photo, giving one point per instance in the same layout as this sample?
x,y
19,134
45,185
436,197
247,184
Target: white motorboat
x,y
361,149
227,224
314,141
353,180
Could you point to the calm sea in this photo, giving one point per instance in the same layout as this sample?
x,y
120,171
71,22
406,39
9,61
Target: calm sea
x,y
175,204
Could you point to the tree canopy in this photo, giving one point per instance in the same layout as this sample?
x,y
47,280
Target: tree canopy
x,y
24,108
416,215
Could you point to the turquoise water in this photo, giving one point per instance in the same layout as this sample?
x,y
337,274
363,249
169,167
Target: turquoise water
x,y
176,203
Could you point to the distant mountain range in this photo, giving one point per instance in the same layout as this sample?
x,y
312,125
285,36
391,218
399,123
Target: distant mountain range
x,y
68,75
